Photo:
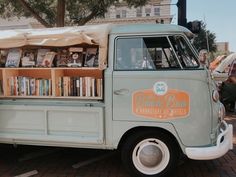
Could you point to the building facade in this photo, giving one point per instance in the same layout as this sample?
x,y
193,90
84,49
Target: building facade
x,y
19,23
222,47
155,11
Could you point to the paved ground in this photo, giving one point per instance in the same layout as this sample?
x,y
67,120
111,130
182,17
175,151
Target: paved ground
x,y
69,162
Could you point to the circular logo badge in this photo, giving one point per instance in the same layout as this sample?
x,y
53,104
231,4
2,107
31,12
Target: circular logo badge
x,y
160,88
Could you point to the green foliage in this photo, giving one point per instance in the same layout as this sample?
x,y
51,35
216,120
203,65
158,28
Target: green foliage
x,y
77,11
13,8
200,41
136,3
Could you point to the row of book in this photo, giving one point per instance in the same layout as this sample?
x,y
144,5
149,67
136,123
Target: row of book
x,y
46,57
67,86
80,86
27,86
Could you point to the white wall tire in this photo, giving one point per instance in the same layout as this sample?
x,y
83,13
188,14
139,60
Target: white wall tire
x,y
149,154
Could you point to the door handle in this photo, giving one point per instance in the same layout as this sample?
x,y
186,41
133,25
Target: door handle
x,y
121,92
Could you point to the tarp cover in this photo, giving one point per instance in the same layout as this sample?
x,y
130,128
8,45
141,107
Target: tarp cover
x,y
59,37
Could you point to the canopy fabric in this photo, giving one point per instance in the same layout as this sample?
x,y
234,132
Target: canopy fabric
x,y
225,63
59,37
216,62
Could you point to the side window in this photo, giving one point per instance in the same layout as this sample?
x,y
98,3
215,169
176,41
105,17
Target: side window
x,y
144,53
183,51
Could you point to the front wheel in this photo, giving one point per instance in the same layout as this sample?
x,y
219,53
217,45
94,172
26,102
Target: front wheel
x,y
149,154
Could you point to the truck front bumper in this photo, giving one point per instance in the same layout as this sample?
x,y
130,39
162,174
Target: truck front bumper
x,y
223,144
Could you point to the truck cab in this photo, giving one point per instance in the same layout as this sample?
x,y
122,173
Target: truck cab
x,y
163,89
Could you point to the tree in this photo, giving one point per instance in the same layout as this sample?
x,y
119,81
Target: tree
x,y
200,41
54,12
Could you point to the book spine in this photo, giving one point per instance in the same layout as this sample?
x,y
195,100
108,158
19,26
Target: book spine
x,y
93,87
41,87
74,88
81,86
11,80
46,87
101,88
78,86
60,86
27,86
15,86
98,87
19,78
69,86
50,87
88,87
37,87
23,86
32,86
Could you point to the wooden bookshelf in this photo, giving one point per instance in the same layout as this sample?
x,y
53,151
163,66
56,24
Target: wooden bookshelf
x,y
64,83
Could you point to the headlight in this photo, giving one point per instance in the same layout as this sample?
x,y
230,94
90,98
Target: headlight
x,y
215,95
221,113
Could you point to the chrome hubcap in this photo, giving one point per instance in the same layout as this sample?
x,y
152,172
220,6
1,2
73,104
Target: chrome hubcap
x,y
151,156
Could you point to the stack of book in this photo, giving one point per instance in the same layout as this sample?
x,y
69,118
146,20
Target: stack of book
x,y
80,86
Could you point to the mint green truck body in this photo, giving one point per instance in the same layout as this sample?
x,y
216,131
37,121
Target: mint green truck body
x,y
191,118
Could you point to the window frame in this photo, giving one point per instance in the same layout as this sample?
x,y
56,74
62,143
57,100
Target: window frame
x,y
118,14
157,13
171,46
123,13
148,11
139,12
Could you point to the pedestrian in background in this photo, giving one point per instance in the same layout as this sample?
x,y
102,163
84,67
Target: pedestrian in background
x,y
228,89
203,58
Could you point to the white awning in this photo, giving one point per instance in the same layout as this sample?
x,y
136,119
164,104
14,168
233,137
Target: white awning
x,y
59,37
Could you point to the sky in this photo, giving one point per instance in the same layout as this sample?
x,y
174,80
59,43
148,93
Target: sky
x,y
219,17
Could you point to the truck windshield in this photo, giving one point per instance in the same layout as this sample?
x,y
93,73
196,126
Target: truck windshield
x,y
153,53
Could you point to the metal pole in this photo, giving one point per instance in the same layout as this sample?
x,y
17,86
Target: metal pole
x,y
182,20
207,40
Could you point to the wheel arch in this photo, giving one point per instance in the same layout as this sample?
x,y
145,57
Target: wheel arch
x,y
145,128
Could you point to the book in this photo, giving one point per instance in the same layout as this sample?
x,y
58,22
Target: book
x,y
13,57
78,86
3,57
60,86
91,58
76,57
40,56
63,58
93,87
81,86
48,59
28,58
65,86
32,86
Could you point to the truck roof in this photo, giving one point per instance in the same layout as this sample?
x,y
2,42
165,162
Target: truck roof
x,y
149,28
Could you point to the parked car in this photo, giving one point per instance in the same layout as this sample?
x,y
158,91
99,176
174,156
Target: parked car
x,y
225,76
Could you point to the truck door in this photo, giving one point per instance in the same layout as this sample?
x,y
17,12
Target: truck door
x,y
158,79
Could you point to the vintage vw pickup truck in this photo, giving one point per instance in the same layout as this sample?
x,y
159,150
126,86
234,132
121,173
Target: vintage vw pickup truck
x,y
136,88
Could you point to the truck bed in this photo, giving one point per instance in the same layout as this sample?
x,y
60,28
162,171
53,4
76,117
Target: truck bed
x,y
50,122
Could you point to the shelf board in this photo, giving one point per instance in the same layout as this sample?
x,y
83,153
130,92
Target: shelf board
x,y
52,97
53,68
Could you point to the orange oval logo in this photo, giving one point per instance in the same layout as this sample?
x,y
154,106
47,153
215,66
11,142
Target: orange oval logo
x,y
173,104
